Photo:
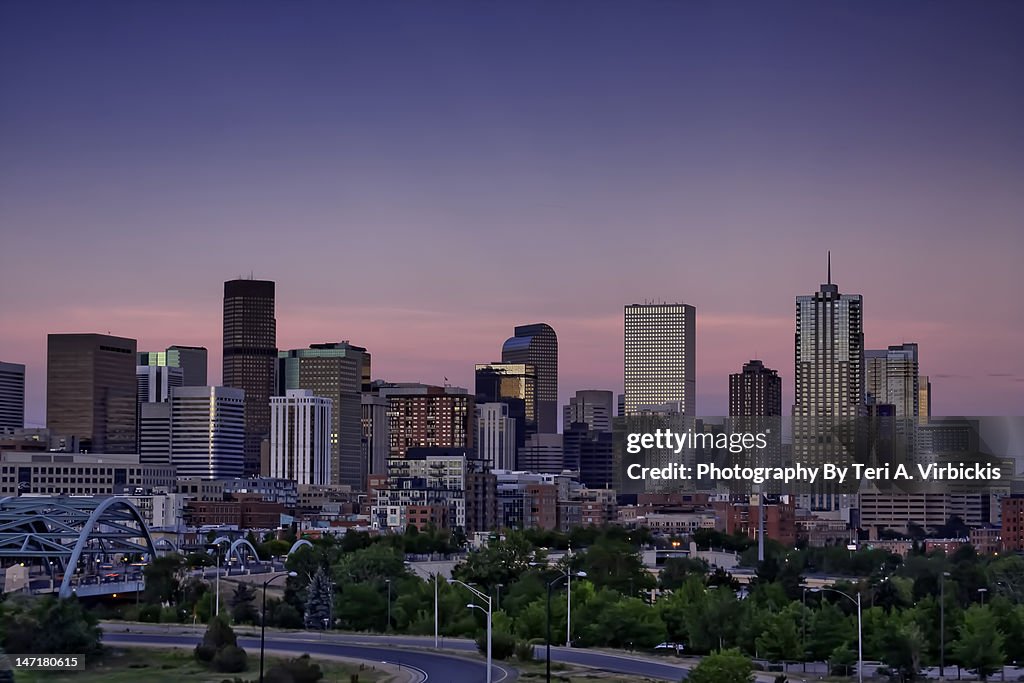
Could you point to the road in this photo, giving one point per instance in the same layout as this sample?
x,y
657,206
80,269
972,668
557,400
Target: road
x,y
426,666
414,650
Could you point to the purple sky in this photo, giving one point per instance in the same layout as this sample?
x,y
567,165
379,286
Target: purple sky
x,y
420,177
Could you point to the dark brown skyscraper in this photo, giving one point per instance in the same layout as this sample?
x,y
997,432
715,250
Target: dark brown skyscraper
x,y
755,392
90,390
250,357
537,345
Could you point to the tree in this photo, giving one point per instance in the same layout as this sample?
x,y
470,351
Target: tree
x,y
297,670
727,666
780,641
500,561
162,578
241,603
47,625
827,630
903,651
617,565
318,601
841,660
980,643
218,635
503,644
677,569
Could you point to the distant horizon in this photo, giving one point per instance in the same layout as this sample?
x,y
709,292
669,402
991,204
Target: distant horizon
x,y
419,178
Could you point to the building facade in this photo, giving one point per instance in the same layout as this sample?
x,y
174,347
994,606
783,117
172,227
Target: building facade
x,y
376,442
90,391
425,416
300,437
537,345
495,435
660,347
591,407
755,391
208,432
334,371
78,474
12,395
829,394
250,357
153,383
192,360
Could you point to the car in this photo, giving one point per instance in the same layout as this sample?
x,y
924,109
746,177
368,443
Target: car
x,y
678,647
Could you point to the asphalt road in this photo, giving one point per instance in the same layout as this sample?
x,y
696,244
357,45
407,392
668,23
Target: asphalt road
x,y
427,666
414,651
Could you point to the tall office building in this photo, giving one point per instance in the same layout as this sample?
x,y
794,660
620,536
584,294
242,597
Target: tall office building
x,y
537,345
153,383
892,378
924,399
300,437
208,432
90,391
250,357
829,395
496,436
542,453
592,407
191,359
589,452
514,384
659,356
424,416
376,443
335,371
12,395
756,391
155,432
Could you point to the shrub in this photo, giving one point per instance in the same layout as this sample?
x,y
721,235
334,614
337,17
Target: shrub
x,y
298,670
503,644
149,613
205,653
524,651
230,659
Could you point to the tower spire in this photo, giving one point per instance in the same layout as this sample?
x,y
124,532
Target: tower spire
x,y
830,266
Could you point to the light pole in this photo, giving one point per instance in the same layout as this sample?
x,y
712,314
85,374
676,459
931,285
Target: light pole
x,y
860,629
551,585
387,626
803,628
487,599
942,625
982,591
263,617
437,578
568,599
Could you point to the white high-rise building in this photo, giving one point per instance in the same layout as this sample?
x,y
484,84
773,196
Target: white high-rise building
x,y
829,395
300,437
659,356
154,382
496,435
208,432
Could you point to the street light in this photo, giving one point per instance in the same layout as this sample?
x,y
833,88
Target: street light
x,y
982,592
568,599
942,625
860,630
486,598
551,585
387,626
263,618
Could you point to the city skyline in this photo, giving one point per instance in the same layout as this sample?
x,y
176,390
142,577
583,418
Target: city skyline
x,y
402,180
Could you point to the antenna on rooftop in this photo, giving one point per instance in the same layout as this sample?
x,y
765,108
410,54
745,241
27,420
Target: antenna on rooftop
x,y
830,266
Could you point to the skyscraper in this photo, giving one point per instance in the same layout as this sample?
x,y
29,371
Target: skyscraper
x,y
829,395
892,378
592,407
756,391
334,371
191,359
537,345
496,436
514,384
250,357
376,442
208,431
300,437
924,399
659,356
12,395
424,416
90,391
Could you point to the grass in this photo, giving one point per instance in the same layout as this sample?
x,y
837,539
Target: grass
x,y
535,671
132,665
